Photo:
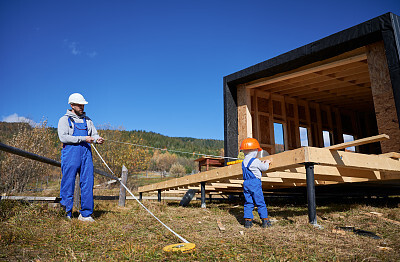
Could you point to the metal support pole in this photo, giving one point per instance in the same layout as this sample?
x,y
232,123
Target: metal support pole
x,y
159,195
141,196
312,209
203,194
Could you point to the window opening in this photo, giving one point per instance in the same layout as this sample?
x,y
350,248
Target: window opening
x,y
327,138
279,138
348,138
303,136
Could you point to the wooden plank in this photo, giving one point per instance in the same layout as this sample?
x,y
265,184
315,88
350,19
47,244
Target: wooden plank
x,y
286,159
358,72
358,142
30,198
220,226
380,215
328,157
308,71
287,177
394,155
226,185
338,172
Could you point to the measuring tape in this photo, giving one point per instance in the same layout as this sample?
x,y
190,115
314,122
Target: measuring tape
x,y
176,151
183,247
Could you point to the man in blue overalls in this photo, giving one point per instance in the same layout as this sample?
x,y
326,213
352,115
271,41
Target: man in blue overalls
x,y
76,131
252,188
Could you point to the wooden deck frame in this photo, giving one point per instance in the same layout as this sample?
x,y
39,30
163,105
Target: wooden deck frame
x,y
331,165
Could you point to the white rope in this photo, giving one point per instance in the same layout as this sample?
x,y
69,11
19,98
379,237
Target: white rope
x,y
181,238
177,151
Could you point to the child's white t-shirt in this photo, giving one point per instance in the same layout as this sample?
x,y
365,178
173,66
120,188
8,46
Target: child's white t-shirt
x,y
257,167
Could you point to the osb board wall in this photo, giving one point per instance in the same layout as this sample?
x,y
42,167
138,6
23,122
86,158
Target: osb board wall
x,y
256,119
382,93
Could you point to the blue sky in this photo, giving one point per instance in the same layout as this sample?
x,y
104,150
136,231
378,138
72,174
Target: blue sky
x,y
151,65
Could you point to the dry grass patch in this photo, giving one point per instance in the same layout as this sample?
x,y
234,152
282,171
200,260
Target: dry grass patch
x,y
33,232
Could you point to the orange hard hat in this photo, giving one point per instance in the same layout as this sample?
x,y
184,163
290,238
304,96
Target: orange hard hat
x,y
249,144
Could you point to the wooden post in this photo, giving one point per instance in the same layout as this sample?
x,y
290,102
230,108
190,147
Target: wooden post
x,y
159,195
245,128
122,190
77,193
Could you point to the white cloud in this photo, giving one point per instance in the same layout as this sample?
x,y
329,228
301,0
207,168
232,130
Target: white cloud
x,y
73,47
14,118
92,54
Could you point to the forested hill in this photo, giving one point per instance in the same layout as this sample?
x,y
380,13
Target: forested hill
x,y
187,144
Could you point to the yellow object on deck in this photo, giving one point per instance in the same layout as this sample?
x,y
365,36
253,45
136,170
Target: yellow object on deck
x,y
234,162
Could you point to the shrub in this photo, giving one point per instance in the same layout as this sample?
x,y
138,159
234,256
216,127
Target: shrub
x,y
17,172
177,170
118,154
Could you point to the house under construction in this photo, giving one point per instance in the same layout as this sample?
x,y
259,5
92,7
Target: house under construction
x,y
344,85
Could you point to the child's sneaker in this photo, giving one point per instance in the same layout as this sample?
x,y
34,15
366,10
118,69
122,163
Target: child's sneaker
x,y
248,223
266,223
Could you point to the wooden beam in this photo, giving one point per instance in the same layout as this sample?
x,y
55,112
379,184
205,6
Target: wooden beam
x,y
226,185
287,159
308,71
245,128
334,167
359,142
328,157
393,155
337,172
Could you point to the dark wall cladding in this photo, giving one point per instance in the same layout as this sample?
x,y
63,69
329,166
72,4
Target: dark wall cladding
x,y
384,27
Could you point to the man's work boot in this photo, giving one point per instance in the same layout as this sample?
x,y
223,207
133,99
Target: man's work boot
x,y
86,219
248,223
266,223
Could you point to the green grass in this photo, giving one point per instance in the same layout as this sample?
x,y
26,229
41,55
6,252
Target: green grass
x,y
33,232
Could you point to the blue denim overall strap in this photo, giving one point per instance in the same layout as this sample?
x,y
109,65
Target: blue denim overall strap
x,y
80,129
77,158
247,174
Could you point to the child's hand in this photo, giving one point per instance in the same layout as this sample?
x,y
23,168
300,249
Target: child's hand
x,y
267,161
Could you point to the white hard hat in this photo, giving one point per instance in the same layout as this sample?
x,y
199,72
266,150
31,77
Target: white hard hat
x,y
77,98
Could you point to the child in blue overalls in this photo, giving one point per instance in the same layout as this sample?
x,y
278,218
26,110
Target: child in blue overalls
x,y
252,188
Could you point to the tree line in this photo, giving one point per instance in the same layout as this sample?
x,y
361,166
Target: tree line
x,y
16,172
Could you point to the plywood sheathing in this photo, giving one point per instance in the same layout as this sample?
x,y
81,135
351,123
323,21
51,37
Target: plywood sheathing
x,y
382,93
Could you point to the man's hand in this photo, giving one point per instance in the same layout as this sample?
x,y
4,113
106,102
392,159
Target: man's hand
x,y
89,139
100,140
267,161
